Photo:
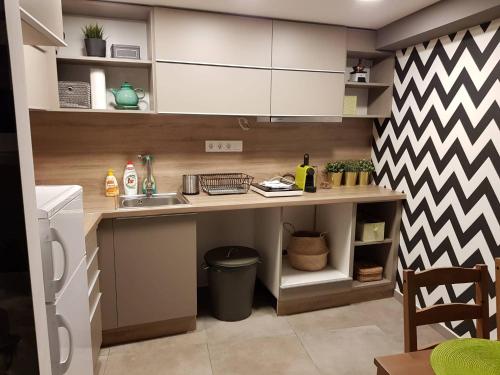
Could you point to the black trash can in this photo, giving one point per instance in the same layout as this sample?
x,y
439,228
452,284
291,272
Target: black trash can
x,y
231,280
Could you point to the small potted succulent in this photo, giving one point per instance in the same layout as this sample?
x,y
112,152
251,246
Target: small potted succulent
x,y
366,168
351,172
95,44
335,172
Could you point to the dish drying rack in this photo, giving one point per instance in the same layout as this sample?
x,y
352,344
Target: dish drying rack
x,y
225,183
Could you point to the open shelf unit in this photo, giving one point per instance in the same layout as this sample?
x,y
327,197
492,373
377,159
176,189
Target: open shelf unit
x,y
384,252
294,290
374,97
123,24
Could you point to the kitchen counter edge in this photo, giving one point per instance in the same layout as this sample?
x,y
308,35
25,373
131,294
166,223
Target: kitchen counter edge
x,y
206,203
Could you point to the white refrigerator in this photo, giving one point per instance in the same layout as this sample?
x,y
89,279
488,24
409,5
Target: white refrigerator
x,y
61,223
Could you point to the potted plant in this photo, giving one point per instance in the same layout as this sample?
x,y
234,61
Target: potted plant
x,y
335,172
351,172
366,168
95,44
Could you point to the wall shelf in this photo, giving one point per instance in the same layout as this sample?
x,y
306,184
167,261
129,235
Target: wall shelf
x,y
290,277
103,61
364,116
367,85
362,243
90,110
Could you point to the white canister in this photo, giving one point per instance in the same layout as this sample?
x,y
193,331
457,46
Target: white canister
x,y
98,88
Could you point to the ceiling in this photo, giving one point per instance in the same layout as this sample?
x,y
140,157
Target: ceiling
x,y
370,14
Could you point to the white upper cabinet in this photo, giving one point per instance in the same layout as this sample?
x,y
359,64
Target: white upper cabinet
x,y
307,93
308,46
42,22
205,89
210,38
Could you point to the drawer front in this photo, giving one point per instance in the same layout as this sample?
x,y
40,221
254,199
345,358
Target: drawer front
x,y
299,45
96,332
93,268
211,38
307,93
94,293
201,89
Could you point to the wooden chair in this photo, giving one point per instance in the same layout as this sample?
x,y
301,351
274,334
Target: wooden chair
x,y
414,317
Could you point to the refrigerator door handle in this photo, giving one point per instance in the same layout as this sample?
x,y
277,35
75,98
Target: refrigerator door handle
x,y
64,365
55,237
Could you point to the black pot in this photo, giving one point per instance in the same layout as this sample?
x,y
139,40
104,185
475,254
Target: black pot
x,y
95,47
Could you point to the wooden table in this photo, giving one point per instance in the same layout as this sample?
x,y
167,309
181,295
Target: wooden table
x,y
414,363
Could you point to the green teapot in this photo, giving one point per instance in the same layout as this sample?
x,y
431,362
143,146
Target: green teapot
x,y
126,97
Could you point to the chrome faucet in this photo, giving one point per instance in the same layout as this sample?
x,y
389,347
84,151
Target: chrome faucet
x,y
146,159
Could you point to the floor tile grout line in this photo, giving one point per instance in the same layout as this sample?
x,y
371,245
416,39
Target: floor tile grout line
x,y
307,353
210,359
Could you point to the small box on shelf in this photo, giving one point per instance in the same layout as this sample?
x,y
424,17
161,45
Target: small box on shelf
x,y
350,104
367,231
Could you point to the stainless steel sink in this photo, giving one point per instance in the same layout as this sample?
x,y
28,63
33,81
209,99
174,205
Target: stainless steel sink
x,y
139,201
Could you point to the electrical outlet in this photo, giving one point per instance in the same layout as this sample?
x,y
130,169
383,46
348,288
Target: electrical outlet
x,y
223,146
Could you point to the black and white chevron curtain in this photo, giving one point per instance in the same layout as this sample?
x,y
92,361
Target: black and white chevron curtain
x,y
442,148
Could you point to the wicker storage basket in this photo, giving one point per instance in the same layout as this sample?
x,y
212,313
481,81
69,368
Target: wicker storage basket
x,y
365,271
74,94
307,262
308,243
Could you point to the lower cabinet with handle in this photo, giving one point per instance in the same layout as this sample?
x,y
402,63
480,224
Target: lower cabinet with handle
x,y
155,277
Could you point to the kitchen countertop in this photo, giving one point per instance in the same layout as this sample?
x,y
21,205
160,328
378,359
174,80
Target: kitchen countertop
x,y
105,208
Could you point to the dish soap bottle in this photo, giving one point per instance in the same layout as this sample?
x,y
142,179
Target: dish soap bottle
x,y
130,179
112,189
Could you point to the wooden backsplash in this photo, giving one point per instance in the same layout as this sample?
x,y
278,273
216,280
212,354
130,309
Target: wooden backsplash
x,y
71,148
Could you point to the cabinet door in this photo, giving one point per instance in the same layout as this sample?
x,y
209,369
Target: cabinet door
x,y
155,259
189,36
297,93
202,89
41,77
42,22
298,45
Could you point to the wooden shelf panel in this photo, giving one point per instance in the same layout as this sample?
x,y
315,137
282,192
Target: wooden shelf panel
x,y
373,54
362,243
90,110
291,278
365,116
103,61
369,284
358,85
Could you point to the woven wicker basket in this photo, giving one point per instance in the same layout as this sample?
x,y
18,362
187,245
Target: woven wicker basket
x,y
308,243
367,271
307,262
74,94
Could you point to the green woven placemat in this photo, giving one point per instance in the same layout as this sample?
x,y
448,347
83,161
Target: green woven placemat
x,y
466,357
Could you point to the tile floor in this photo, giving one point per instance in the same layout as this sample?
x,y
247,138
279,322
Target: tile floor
x,y
337,341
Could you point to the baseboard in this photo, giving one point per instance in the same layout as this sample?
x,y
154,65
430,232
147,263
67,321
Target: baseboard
x,y
295,305
125,335
438,327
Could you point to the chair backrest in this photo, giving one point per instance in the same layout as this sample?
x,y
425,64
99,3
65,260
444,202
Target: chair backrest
x,y
414,317
497,287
